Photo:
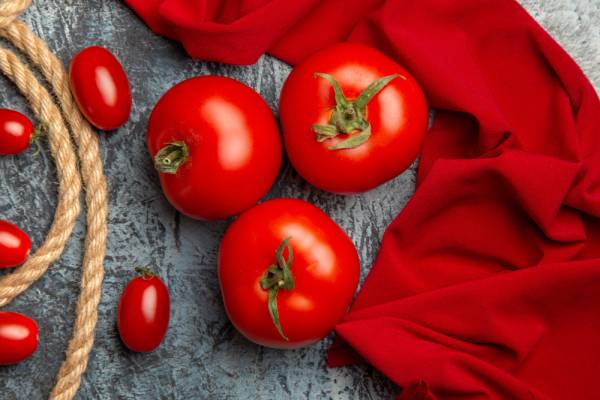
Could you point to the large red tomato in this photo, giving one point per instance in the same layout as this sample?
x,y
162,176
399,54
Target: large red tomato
x,y
216,145
352,118
18,337
287,273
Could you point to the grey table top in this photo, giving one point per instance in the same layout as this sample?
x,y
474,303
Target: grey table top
x,y
203,356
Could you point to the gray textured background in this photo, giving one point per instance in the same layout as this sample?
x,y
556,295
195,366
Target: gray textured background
x,y
202,356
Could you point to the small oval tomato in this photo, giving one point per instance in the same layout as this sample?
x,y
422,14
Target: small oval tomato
x,y
352,118
15,245
143,314
216,145
16,132
18,337
100,87
287,273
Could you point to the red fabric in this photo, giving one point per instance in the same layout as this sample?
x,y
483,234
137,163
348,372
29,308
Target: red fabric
x,y
487,284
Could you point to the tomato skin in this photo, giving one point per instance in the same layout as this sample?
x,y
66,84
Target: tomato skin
x,y
18,337
326,269
100,87
398,116
16,131
15,245
233,142
143,313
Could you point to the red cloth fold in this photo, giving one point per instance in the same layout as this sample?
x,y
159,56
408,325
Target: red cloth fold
x,y
487,284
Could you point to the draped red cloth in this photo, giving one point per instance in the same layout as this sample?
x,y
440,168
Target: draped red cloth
x,y
487,284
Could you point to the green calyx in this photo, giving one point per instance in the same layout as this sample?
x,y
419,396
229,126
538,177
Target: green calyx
x,y
277,277
36,135
145,273
171,157
38,132
349,116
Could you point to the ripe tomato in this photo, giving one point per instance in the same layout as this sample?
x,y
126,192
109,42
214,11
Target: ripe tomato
x,y
16,132
143,314
18,337
287,273
100,87
216,145
352,118
15,245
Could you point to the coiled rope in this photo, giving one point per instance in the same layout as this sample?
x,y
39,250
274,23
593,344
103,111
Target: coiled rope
x,y
53,112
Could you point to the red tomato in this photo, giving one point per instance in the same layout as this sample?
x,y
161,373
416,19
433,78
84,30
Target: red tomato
x,y
216,146
100,87
143,315
357,136
18,337
15,245
287,273
16,132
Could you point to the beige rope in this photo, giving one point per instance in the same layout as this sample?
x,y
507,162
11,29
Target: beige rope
x,y
68,178
69,376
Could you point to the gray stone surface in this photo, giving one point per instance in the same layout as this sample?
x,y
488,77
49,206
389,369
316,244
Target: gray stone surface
x,y
202,356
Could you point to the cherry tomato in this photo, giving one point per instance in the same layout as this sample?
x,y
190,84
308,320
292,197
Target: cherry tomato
x,y
16,132
216,145
352,118
15,245
143,314
100,87
18,337
287,273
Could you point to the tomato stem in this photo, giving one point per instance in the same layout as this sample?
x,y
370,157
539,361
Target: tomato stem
x,y
146,273
278,276
349,116
40,130
171,157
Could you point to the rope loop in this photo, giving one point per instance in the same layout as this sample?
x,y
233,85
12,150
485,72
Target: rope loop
x,y
75,149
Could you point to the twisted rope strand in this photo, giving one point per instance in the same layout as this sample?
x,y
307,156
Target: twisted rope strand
x,y
80,346
96,199
69,185
11,9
